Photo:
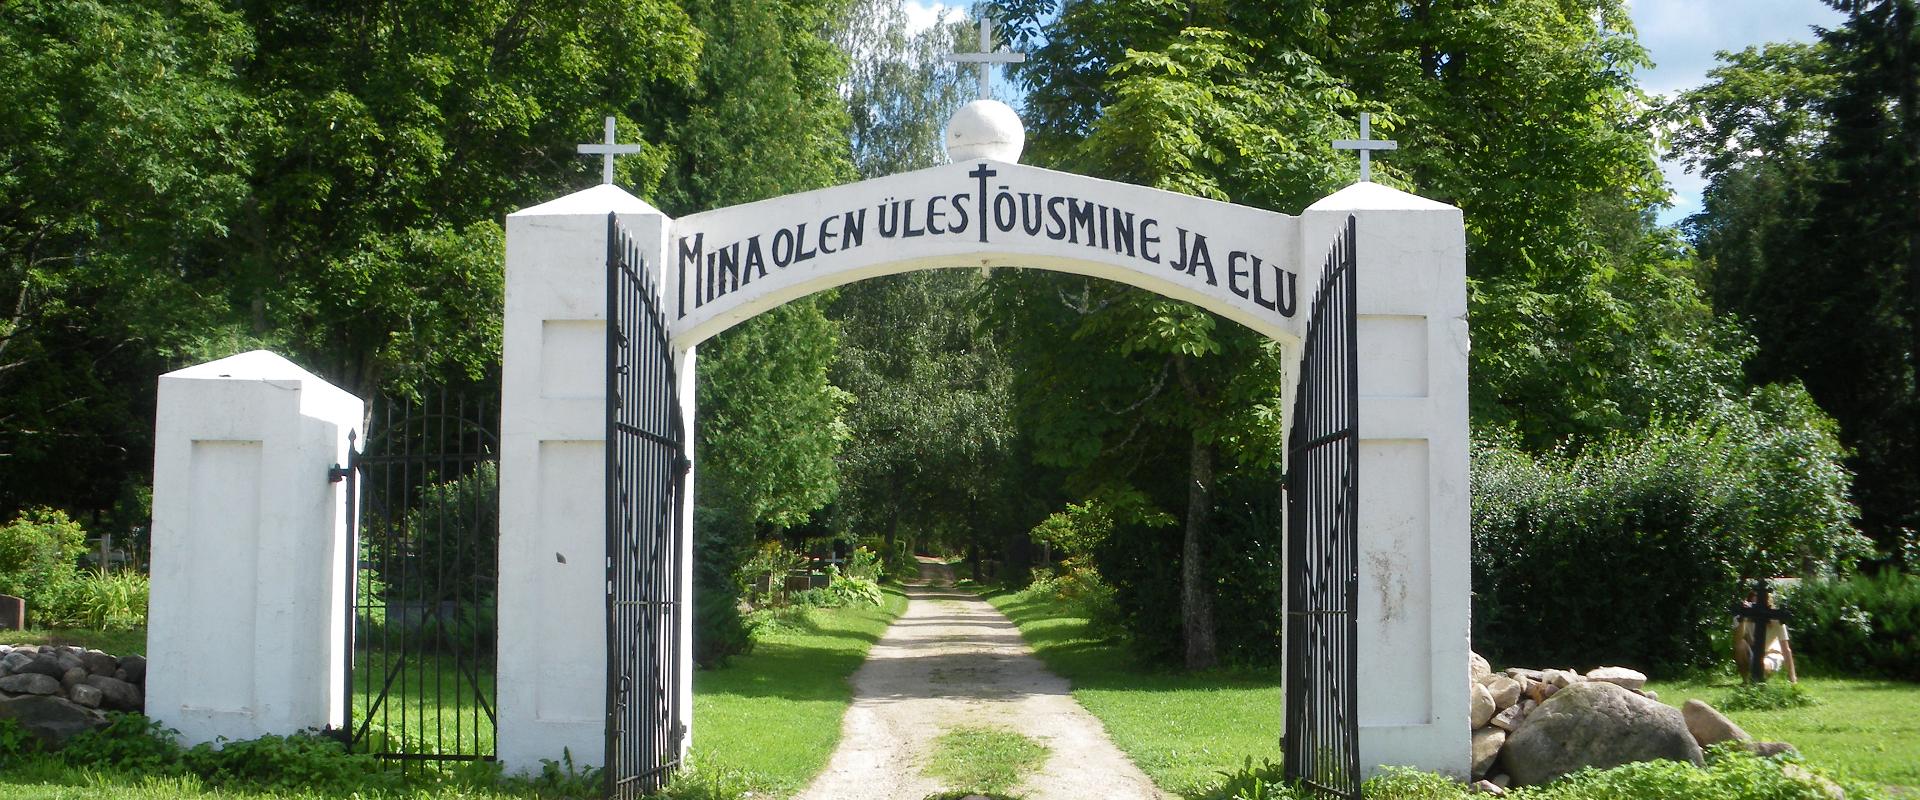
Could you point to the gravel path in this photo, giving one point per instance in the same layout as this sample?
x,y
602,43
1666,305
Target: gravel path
x,y
953,660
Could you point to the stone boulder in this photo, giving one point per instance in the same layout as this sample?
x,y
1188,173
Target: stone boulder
x,y
1596,724
1486,749
1505,690
136,669
1710,727
1480,706
1477,667
29,683
1630,680
50,720
117,694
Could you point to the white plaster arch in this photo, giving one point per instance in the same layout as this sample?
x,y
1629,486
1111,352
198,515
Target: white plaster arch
x,y
725,266
1411,340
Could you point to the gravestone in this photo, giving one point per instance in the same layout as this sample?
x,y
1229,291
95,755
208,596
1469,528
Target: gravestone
x,y
13,613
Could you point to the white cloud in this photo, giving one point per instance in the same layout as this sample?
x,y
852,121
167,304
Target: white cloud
x,y
924,14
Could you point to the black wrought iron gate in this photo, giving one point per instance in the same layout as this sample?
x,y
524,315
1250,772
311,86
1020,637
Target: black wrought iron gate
x,y
646,473
424,511
1322,741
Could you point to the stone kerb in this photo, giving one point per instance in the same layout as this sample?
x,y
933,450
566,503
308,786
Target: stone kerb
x,y
247,616
552,674
727,265
1414,542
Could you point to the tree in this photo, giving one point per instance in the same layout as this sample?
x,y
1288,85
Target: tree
x,y
1809,155
395,136
1524,114
123,141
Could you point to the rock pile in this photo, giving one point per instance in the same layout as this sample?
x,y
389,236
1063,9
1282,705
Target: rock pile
x,y
56,692
1531,726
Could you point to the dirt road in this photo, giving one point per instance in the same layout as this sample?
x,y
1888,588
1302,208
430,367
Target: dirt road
x,y
953,660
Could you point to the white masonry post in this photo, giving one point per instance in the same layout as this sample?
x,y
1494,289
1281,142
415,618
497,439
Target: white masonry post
x,y
1414,542
247,619
552,674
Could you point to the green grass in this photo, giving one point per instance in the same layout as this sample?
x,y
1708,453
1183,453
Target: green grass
x,y
431,703
991,760
1182,729
119,643
1866,728
773,716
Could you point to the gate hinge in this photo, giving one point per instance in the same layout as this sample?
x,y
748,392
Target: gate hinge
x,y
337,473
682,463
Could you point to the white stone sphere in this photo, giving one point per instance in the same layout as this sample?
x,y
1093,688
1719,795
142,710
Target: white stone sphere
x,y
985,129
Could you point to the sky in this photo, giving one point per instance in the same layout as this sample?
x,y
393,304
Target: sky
x,y
1680,35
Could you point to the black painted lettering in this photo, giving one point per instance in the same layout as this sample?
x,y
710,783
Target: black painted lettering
x,y
1056,222
1031,218
1235,271
1123,231
1079,215
1148,237
782,248
854,231
800,244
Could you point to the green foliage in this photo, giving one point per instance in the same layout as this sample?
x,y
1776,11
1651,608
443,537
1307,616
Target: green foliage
x,y
722,543
1860,624
114,601
774,469
1770,696
1141,561
865,564
1804,157
845,590
15,741
932,447
1674,517
38,550
1731,774
129,741
452,539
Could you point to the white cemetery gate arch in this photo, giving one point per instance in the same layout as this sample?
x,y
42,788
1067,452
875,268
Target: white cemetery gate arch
x,y
712,270
253,433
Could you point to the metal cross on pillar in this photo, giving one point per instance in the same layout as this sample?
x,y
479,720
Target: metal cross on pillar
x,y
1759,614
1366,144
607,152
986,58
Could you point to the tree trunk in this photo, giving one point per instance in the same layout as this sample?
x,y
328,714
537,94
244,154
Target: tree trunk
x,y
1196,596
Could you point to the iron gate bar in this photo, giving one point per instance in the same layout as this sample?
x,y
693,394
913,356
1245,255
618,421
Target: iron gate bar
x,y
645,468
1323,461
451,489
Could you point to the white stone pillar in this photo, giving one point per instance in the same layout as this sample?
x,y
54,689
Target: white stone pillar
x,y
246,625
552,675
683,364
1414,542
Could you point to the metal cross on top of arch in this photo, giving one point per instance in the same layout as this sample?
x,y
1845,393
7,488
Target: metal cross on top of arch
x,y
986,58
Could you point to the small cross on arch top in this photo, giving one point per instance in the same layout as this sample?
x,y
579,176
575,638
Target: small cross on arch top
x,y
607,152
986,58
1366,144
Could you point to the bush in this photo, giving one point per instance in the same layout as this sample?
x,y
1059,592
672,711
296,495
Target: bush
x,y
846,590
38,550
722,544
113,601
1858,624
1631,549
1141,562
1770,696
